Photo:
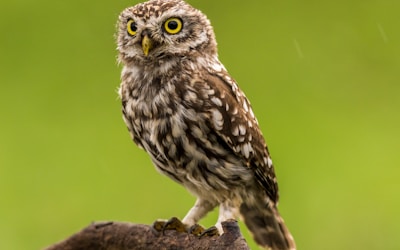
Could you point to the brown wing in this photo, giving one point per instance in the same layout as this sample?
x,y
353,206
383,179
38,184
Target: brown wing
x,y
239,129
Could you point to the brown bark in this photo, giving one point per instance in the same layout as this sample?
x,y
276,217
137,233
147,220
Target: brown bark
x,y
128,236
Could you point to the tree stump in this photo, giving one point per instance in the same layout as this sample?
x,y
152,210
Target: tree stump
x,y
129,236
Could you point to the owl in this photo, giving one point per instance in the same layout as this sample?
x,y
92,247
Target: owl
x,y
183,108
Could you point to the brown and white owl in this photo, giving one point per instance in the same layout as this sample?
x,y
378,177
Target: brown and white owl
x,y
184,109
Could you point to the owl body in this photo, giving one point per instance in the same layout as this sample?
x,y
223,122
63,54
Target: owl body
x,y
181,106
175,122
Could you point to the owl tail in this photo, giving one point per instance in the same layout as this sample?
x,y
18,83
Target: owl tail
x,y
267,226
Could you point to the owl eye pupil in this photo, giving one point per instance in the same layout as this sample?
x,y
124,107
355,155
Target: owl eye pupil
x,y
133,27
172,25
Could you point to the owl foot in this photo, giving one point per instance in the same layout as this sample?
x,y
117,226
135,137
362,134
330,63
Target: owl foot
x,y
171,224
196,229
177,225
212,231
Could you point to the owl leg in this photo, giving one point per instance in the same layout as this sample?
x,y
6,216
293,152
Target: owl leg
x,y
198,211
227,211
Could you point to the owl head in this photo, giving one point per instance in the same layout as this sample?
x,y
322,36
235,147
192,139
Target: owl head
x,y
159,30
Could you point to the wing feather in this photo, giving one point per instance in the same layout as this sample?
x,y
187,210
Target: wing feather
x,y
234,121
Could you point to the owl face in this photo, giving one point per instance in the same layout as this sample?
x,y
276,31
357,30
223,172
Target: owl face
x,y
162,29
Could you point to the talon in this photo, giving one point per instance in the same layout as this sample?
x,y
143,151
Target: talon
x,y
212,231
196,229
158,225
174,224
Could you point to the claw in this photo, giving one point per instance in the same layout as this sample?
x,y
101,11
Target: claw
x,y
196,229
172,224
158,225
177,225
212,231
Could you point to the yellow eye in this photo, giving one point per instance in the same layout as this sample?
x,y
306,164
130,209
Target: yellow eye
x,y
131,27
173,25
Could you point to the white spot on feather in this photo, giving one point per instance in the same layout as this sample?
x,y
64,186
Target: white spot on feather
x,y
216,101
217,67
246,149
252,113
269,162
235,131
246,108
190,96
217,119
242,129
235,111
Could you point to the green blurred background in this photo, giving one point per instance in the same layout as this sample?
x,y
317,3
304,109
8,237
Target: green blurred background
x,y
323,78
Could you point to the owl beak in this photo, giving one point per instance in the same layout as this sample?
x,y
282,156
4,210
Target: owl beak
x,y
147,45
